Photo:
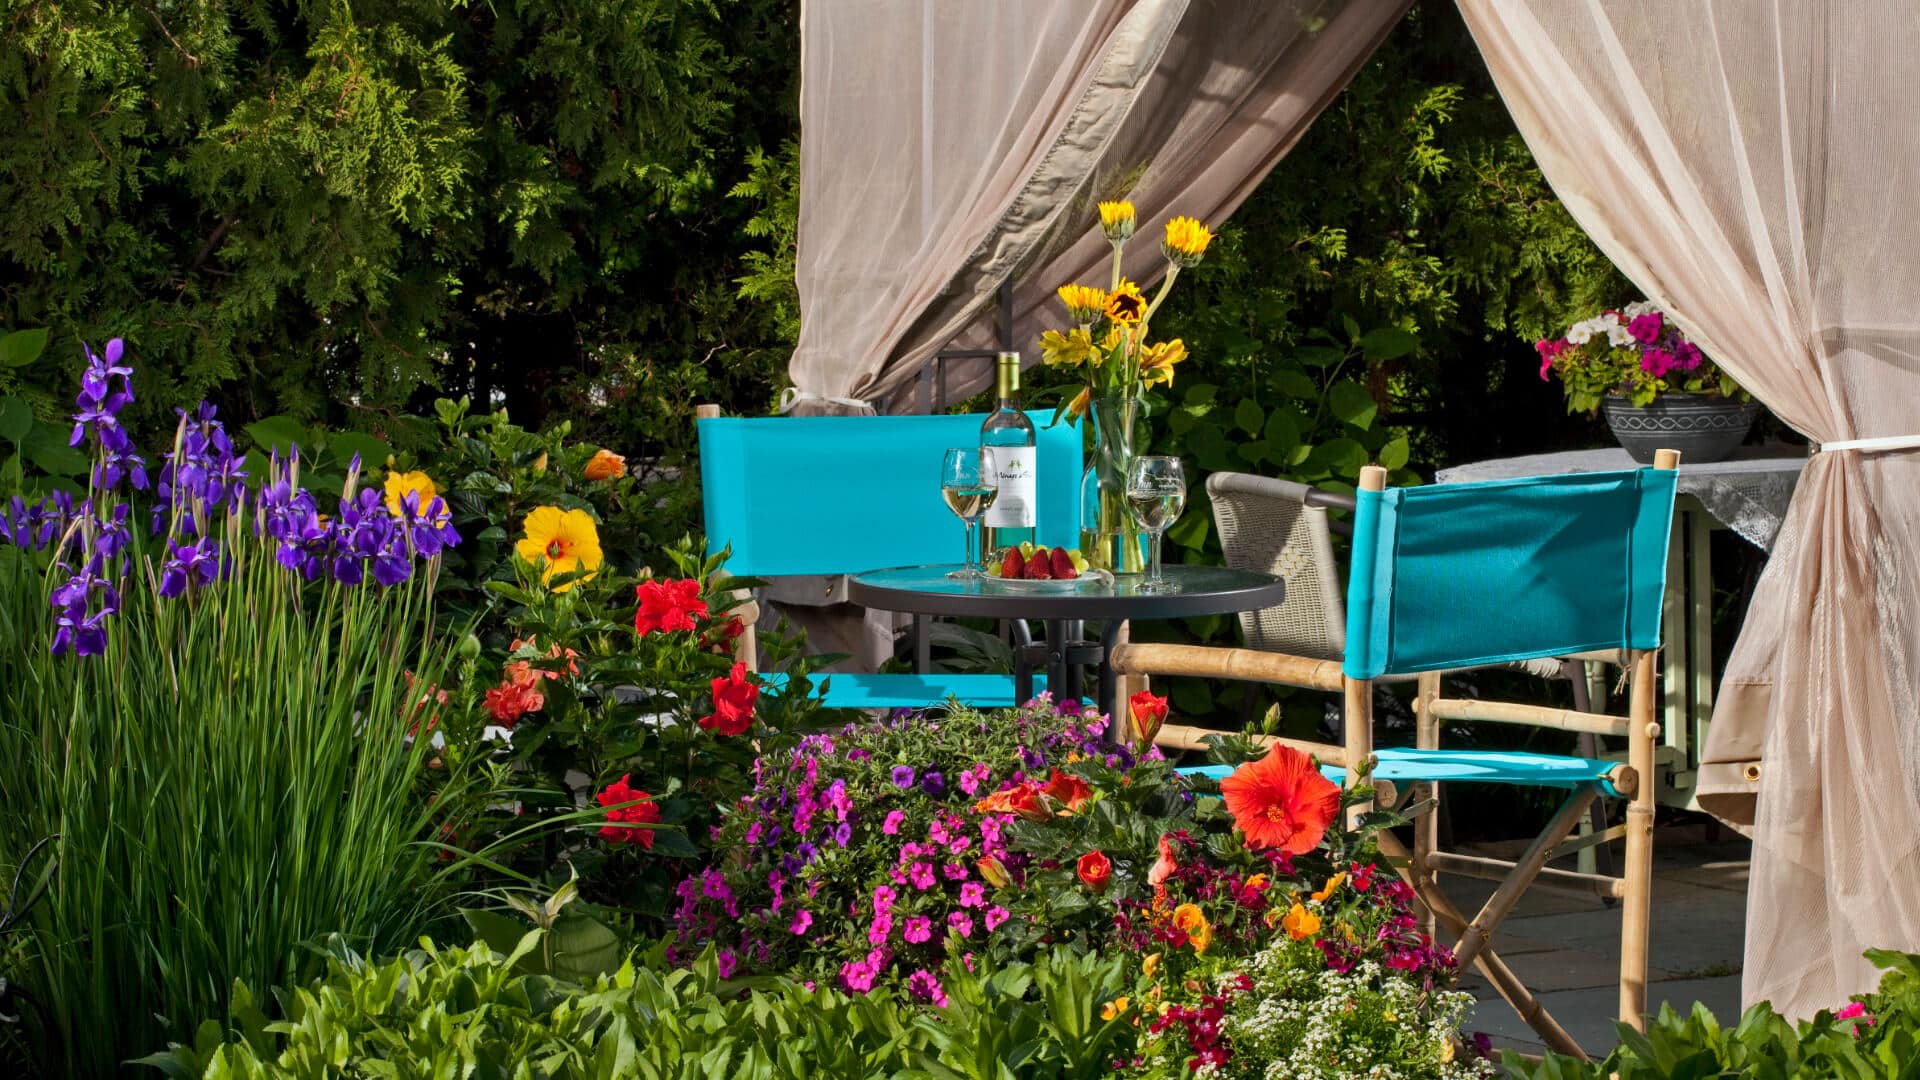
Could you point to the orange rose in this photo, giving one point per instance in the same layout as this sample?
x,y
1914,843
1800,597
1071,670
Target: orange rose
x,y
606,465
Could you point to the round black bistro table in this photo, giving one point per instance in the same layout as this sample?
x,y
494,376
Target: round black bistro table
x,y
1191,590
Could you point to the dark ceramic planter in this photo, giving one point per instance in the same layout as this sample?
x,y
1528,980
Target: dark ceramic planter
x,y
1700,427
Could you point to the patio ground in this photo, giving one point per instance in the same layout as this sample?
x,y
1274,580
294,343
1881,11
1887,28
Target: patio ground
x,y
1567,948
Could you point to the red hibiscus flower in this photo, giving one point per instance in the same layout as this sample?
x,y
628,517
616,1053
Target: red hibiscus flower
x,y
1282,801
1070,791
668,605
1095,871
733,700
510,701
1022,799
645,813
1149,712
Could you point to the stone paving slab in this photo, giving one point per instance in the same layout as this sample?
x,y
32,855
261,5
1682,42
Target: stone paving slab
x,y
1588,1015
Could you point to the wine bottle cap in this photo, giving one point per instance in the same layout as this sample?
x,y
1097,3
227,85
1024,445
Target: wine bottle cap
x,y
1008,364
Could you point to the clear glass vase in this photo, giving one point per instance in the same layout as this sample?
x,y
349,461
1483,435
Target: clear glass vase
x,y
1109,536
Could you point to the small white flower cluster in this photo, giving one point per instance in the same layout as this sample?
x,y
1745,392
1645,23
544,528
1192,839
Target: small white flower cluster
x,y
1615,329
1305,1023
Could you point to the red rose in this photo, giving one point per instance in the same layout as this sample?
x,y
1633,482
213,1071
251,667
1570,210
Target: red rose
x,y
733,700
620,791
1149,712
1095,871
668,605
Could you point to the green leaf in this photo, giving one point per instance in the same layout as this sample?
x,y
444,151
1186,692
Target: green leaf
x,y
47,449
1351,402
1283,431
16,419
1201,393
1248,416
1352,327
1389,343
22,347
1296,384
1394,455
1344,457
279,434
1319,356
344,444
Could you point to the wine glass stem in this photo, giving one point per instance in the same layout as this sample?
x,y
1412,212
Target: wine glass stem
x,y
973,526
1153,574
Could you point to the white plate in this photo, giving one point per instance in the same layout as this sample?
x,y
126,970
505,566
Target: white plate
x,y
1051,585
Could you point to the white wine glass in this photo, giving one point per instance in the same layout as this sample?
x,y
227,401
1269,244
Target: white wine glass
x,y
1156,494
968,485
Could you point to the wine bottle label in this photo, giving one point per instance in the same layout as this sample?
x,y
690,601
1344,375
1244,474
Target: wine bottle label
x,y
1013,507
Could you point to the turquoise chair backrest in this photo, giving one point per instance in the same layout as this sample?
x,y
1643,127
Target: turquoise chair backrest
x,y
843,494
1455,575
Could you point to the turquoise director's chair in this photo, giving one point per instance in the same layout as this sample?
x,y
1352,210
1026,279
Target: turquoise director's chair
x,y
1454,576
794,495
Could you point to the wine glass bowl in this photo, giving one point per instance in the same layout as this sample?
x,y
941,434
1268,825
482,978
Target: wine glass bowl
x,y
1156,496
968,484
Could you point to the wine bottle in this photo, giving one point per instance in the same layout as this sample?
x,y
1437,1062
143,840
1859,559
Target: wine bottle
x,y
1008,437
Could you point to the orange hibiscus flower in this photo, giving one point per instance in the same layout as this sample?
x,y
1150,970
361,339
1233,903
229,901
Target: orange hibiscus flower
x,y
1282,801
1067,790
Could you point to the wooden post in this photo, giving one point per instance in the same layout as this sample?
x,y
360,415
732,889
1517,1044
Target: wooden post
x,y
1357,716
1426,827
1636,907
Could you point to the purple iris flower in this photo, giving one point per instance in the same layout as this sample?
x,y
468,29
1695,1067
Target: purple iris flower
x,y
79,625
189,566
903,776
98,402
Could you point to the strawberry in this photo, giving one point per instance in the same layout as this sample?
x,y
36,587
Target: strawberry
x,y
1013,566
1063,565
1040,567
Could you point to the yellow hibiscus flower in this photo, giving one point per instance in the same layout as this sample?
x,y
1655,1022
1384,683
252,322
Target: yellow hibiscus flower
x,y
1186,241
400,485
566,540
1157,365
1073,348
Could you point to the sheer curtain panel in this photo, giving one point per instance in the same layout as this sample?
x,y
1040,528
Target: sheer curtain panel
x,y
1749,165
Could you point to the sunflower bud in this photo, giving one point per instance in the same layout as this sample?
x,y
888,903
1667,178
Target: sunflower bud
x,y
1186,241
1116,220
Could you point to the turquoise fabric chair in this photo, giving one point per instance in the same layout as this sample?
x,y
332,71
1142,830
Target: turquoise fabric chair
x,y
843,494
1462,575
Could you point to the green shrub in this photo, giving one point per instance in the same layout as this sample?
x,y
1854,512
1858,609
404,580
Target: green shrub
x,y
473,1012
1876,1035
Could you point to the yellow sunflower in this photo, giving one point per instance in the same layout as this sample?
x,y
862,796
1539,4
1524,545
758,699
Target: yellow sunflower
x,y
565,540
1125,305
1186,241
1073,348
1116,219
1157,365
1084,302
400,485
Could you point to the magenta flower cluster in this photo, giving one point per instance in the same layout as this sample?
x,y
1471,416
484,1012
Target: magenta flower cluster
x,y
864,855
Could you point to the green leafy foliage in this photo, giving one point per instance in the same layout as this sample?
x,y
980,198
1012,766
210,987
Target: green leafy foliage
x,y
477,1009
1877,1037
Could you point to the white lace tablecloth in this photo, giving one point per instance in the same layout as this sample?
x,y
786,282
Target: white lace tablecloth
x,y
1747,493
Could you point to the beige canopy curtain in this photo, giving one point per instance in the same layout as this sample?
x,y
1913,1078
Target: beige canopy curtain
x,y
1748,165
923,125
1235,90
948,146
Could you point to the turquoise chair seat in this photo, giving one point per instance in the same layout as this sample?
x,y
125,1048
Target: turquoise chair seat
x,y
1404,765
854,690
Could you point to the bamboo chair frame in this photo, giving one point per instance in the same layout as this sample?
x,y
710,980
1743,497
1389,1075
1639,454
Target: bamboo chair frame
x,y
1422,864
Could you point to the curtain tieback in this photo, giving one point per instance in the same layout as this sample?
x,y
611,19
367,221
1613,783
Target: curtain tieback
x,y
793,395
1884,442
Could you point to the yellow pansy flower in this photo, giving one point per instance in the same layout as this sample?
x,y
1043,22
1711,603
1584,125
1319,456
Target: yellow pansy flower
x,y
1300,923
1114,1009
1116,219
1084,302
1186,241
567,542
1332,884
1125,305
400,485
